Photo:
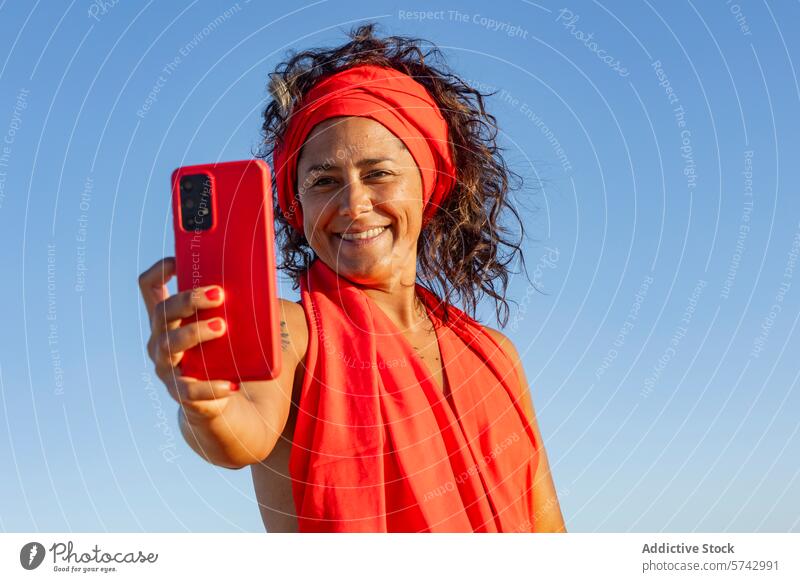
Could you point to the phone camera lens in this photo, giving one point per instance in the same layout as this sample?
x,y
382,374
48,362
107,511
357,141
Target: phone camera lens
x,y
196,202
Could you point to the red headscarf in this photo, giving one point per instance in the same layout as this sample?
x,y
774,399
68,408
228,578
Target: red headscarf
x,y
391,98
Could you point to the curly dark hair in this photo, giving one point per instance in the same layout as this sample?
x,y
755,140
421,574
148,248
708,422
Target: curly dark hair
x,y
463,248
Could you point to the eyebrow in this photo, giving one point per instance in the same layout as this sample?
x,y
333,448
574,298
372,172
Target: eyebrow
x,y
323,167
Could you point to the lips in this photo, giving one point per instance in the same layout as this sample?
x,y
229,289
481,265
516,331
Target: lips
x,y
359,243
363,235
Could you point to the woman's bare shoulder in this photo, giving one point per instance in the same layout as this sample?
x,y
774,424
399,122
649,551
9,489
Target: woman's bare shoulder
x,y
507,345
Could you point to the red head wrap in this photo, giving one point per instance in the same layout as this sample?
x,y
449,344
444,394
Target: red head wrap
x,y
391,98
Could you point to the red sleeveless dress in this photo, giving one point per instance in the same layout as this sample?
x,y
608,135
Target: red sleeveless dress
x,y
377,447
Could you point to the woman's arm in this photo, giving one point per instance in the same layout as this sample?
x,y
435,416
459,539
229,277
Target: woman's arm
x,y
272,400
548,516
250,425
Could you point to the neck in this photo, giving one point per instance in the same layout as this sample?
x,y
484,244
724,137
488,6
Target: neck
x,y
399,301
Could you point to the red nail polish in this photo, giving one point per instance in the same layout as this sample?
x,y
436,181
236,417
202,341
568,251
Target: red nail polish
x,y
215,324
234,386
213,293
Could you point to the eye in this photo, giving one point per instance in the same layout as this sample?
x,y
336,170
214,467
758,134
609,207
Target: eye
x,y
322,181
379,174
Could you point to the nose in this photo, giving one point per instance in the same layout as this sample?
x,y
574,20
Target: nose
x,y
354,198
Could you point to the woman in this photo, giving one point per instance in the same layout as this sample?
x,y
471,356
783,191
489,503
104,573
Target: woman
x,y
394,410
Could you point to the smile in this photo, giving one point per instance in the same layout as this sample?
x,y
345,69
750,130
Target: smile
x,y
363,238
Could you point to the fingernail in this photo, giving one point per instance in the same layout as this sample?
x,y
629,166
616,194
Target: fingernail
x,y
234,387
213,294
215,325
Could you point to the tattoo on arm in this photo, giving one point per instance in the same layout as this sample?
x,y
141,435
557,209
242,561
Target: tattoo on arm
x,y
284,336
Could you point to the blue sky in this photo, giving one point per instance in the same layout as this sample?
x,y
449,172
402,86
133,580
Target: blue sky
x,y
658,144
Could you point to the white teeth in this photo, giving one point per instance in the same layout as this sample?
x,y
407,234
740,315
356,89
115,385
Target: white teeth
x,y
362,235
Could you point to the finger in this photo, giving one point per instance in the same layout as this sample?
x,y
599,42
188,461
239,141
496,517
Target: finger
x,y
168,313
204,409
215,397
153,282
174,342
194,390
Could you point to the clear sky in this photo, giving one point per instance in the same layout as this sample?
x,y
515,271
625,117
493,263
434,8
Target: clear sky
x,y
658,143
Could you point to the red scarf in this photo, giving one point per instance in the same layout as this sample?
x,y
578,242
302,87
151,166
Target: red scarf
x,y
377,446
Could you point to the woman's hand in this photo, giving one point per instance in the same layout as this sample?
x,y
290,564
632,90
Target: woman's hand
x,y
200,399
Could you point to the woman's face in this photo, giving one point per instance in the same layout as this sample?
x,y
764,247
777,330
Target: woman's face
x,y
354,175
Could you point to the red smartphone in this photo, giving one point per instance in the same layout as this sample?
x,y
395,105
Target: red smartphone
x,y
222,218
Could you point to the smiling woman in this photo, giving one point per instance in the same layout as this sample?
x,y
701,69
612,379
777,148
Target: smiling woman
x,y
389,190
395,410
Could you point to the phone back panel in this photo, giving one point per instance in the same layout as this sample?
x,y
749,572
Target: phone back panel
x,y
237,253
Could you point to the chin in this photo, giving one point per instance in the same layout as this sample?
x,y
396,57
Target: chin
x,y
362,274
361,270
